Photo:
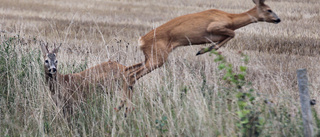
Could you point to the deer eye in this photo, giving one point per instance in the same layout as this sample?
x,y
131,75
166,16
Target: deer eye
x,y
269,11
56,61
46,61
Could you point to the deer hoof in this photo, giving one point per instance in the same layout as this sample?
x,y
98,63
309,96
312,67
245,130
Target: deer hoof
x,y
199,53
128,110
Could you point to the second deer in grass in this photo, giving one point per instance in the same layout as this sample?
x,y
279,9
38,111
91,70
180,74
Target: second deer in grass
x,y
68,90
199,28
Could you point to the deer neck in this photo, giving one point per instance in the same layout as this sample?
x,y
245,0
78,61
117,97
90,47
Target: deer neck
x,y
52,81
244,19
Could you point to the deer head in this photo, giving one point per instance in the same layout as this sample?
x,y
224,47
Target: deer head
x,y
265,13
50,60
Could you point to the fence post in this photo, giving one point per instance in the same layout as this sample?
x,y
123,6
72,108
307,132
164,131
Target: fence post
x,y
305,102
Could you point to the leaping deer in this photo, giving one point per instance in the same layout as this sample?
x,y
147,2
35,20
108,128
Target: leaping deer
x,y
68,90
198,28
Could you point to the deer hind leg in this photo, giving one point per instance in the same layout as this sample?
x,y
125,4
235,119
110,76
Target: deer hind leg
x,y
153,61
159,56
127,88
143,70
130,81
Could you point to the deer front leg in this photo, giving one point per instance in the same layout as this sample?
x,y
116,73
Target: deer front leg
x,y
217,29
133,67
216,47
126,91
126,101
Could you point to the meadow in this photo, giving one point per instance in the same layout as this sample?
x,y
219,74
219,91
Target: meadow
x,y
188,96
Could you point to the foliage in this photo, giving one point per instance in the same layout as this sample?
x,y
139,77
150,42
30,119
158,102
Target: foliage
x,y
161,124
18,83
15,66
317,121
171,106
250,121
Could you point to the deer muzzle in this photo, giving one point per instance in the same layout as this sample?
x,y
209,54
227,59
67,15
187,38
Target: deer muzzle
x,y
52,70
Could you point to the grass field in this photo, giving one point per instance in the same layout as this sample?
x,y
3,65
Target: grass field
x,y
185,97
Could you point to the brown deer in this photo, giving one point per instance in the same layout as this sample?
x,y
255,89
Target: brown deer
x,y
68,90
210,26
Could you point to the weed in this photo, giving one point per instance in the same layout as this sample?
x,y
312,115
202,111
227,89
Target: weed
x,y
161,125
250,122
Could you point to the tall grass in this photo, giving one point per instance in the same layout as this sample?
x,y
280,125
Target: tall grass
x,y
21,89
185,97
170,108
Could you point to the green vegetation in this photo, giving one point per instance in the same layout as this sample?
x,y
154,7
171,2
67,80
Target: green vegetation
x,y
188,96
19,83
233,108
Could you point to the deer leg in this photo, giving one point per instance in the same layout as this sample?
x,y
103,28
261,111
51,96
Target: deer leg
x,y
216,29
133,67
154,58
133,77
127,87
216,47
128,83
126,94
126,90
148,66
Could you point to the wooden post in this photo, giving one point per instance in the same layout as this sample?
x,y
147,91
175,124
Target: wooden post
x,y
305,102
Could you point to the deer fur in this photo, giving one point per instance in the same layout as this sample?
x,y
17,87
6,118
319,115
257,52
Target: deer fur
x,y
210,26
70,89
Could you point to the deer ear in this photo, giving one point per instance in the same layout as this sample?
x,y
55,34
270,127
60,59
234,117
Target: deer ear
x,y
56,49
258,2
44,48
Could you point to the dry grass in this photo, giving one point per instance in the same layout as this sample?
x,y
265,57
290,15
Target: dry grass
x,y
98,31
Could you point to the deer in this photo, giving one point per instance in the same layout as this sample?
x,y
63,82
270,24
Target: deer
x,y
206,27
68,90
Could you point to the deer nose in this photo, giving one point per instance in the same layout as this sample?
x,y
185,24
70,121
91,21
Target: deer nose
x,y
54,70
277,21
